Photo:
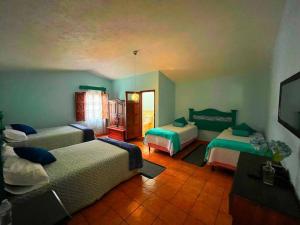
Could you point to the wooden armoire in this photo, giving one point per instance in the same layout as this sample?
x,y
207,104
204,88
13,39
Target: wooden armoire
x,y
124,119
117,113
116,128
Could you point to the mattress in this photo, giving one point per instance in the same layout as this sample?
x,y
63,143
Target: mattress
x,y
52,138
83,173
223,156
186,134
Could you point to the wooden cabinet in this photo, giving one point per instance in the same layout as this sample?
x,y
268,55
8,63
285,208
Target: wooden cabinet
x,y
117,113
125,119
117,133
253,202
117,120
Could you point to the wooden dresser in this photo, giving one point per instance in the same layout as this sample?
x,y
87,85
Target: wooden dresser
x,y
253,202
118,133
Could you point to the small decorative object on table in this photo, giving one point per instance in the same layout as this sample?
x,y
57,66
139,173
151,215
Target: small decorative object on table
x,y
280,151
268,173
118,116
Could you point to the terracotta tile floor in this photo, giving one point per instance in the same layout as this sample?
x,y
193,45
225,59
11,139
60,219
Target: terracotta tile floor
x,y
183,194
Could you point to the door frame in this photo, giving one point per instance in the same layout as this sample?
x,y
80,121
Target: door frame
x,y
141,95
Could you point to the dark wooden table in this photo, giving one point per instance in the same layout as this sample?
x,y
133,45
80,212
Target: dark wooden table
x,y
253,202
43,209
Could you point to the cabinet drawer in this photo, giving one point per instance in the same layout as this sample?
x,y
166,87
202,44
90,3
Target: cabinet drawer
x,y
118,135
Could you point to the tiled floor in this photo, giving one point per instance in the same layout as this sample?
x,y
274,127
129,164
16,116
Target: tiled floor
x,y
182,194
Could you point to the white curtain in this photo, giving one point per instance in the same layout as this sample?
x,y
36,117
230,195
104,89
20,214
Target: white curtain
x,y
93,111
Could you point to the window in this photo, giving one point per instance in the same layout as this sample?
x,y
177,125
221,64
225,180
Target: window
x,y
93,110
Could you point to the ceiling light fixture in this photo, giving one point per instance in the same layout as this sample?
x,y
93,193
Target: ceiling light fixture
x,y
135,96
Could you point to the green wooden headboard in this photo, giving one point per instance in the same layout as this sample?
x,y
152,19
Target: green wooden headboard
x,y
213,119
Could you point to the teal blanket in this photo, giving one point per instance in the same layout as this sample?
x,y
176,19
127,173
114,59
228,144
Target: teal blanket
x,y
237,146
168,134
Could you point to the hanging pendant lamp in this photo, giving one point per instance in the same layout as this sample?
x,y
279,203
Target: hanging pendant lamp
x,y
135,96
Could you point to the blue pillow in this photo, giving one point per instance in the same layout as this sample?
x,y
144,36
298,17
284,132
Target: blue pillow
x,y
242,133
24,128
245,127
181,120
37,155
177,124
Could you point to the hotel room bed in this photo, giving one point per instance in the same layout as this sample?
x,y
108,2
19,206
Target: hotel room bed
x,y
225,157
187,134
83,173
224,150
52,138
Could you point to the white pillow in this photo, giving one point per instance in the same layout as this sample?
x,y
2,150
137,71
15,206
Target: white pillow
x,y
191,123
18,171
12,135
7,151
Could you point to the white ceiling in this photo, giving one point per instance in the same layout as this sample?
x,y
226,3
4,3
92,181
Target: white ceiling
x,y
185,39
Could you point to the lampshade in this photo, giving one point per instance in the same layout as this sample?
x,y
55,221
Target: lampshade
x,y
135,97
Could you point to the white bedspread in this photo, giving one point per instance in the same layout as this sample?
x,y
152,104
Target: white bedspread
x,y
227,134
223,156
52,138
82,173
186,134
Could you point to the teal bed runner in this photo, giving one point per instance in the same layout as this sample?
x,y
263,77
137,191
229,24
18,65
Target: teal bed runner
x,y
168,134
237,146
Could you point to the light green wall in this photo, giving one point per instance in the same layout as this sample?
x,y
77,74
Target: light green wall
x,y
147,81
166,100
164,93
286,62
246,93
46,98
43,98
